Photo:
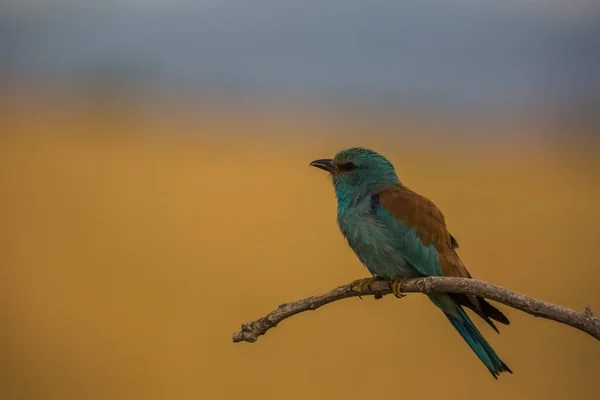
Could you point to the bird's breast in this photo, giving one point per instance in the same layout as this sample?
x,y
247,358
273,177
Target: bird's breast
x,y
372,243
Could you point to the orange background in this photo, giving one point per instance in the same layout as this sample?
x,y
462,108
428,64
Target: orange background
x,y
134,244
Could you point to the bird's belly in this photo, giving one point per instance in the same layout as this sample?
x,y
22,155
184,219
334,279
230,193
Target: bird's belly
x,y
373,247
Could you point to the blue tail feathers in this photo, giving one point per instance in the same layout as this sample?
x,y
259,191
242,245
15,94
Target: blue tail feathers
x,y
478,344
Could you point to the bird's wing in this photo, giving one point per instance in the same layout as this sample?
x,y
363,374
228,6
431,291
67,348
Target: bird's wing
x,y
454,242
427,226
427,221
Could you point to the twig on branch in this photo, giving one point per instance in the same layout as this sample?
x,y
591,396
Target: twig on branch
x,y
585,321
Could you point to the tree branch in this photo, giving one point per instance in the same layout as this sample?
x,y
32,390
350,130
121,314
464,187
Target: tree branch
x,y
585,321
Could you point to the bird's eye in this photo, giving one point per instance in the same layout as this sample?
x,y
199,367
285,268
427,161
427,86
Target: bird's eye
x,y
347,167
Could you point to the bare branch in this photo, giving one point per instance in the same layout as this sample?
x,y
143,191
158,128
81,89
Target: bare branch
x,y
585,321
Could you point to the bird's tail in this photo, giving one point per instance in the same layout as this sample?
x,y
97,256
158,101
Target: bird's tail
x,y
477,342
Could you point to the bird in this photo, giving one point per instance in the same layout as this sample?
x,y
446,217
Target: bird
x,y
398,234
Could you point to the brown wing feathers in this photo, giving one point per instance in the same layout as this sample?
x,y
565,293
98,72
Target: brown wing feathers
x,y
427,220
423,216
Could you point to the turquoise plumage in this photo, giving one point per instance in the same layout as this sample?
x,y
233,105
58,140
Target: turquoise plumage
x,y
398,234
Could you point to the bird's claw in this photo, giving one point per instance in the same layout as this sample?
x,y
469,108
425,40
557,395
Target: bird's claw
x,y
358,284
397,288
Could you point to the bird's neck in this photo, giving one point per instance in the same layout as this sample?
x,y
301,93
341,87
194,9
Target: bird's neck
x,y
349,196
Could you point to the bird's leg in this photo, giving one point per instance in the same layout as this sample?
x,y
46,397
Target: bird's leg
x,y
397,286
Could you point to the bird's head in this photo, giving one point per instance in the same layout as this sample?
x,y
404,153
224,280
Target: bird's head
x,y
357,172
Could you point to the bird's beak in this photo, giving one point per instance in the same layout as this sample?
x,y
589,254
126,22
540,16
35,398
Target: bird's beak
x,y
325,164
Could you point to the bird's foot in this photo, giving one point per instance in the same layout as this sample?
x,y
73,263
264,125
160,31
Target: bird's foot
x,y
397,286
358,284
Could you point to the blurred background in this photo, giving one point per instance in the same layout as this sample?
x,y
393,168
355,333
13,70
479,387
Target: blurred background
x,y
155,192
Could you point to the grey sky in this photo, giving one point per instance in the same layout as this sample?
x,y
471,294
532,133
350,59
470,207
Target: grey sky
x,y
447,53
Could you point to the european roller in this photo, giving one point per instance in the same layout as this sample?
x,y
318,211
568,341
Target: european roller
x,y
398,234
